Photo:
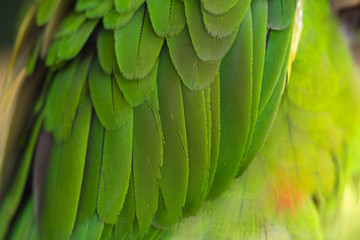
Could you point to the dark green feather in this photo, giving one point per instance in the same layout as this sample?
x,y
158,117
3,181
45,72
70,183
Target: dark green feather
x,y
106,51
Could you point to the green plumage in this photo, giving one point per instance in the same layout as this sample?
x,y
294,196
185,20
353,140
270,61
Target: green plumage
x,y
149,108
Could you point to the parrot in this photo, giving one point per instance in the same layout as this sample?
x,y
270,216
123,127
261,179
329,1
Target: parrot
x,y
178,119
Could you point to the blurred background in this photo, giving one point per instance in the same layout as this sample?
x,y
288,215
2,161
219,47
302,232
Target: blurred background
x,y
10,12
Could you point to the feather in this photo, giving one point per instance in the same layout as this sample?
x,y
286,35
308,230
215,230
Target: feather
x,y
63,180
206,47
281,13
116,157
259,18
147,160
122,6
82,5
199,162
109,103
195,73
277,46
215,128
46,10
106,51
167,16
34,56
139,90
219,7
175,169
57,97
11,200
100,10
137,46
71,23
221,26
235,108
113,20
78,80
71,45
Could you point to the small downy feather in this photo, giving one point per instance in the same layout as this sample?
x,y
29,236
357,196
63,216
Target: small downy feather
x,y
139,90
147,160
206,47
195,73
220,26
175,169
109,103
63,180
137,46
71,44
167,16
235,108
106,51
197,136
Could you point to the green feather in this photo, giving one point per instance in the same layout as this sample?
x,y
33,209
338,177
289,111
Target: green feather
x,y
259,18
116,157
90,230
24,223
109,103
199,161
167,16
62,132
277,46
267,116
113,20
219,7
52,55
106,51
10,202
57,97
235,108
72,44
70,24
195,73
175,169
215,127
221,26
90,183
46,10
82,5
100,10
281,13
63,180
206,47
106,233
139,90
122,6
137,46
127,215
147,160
